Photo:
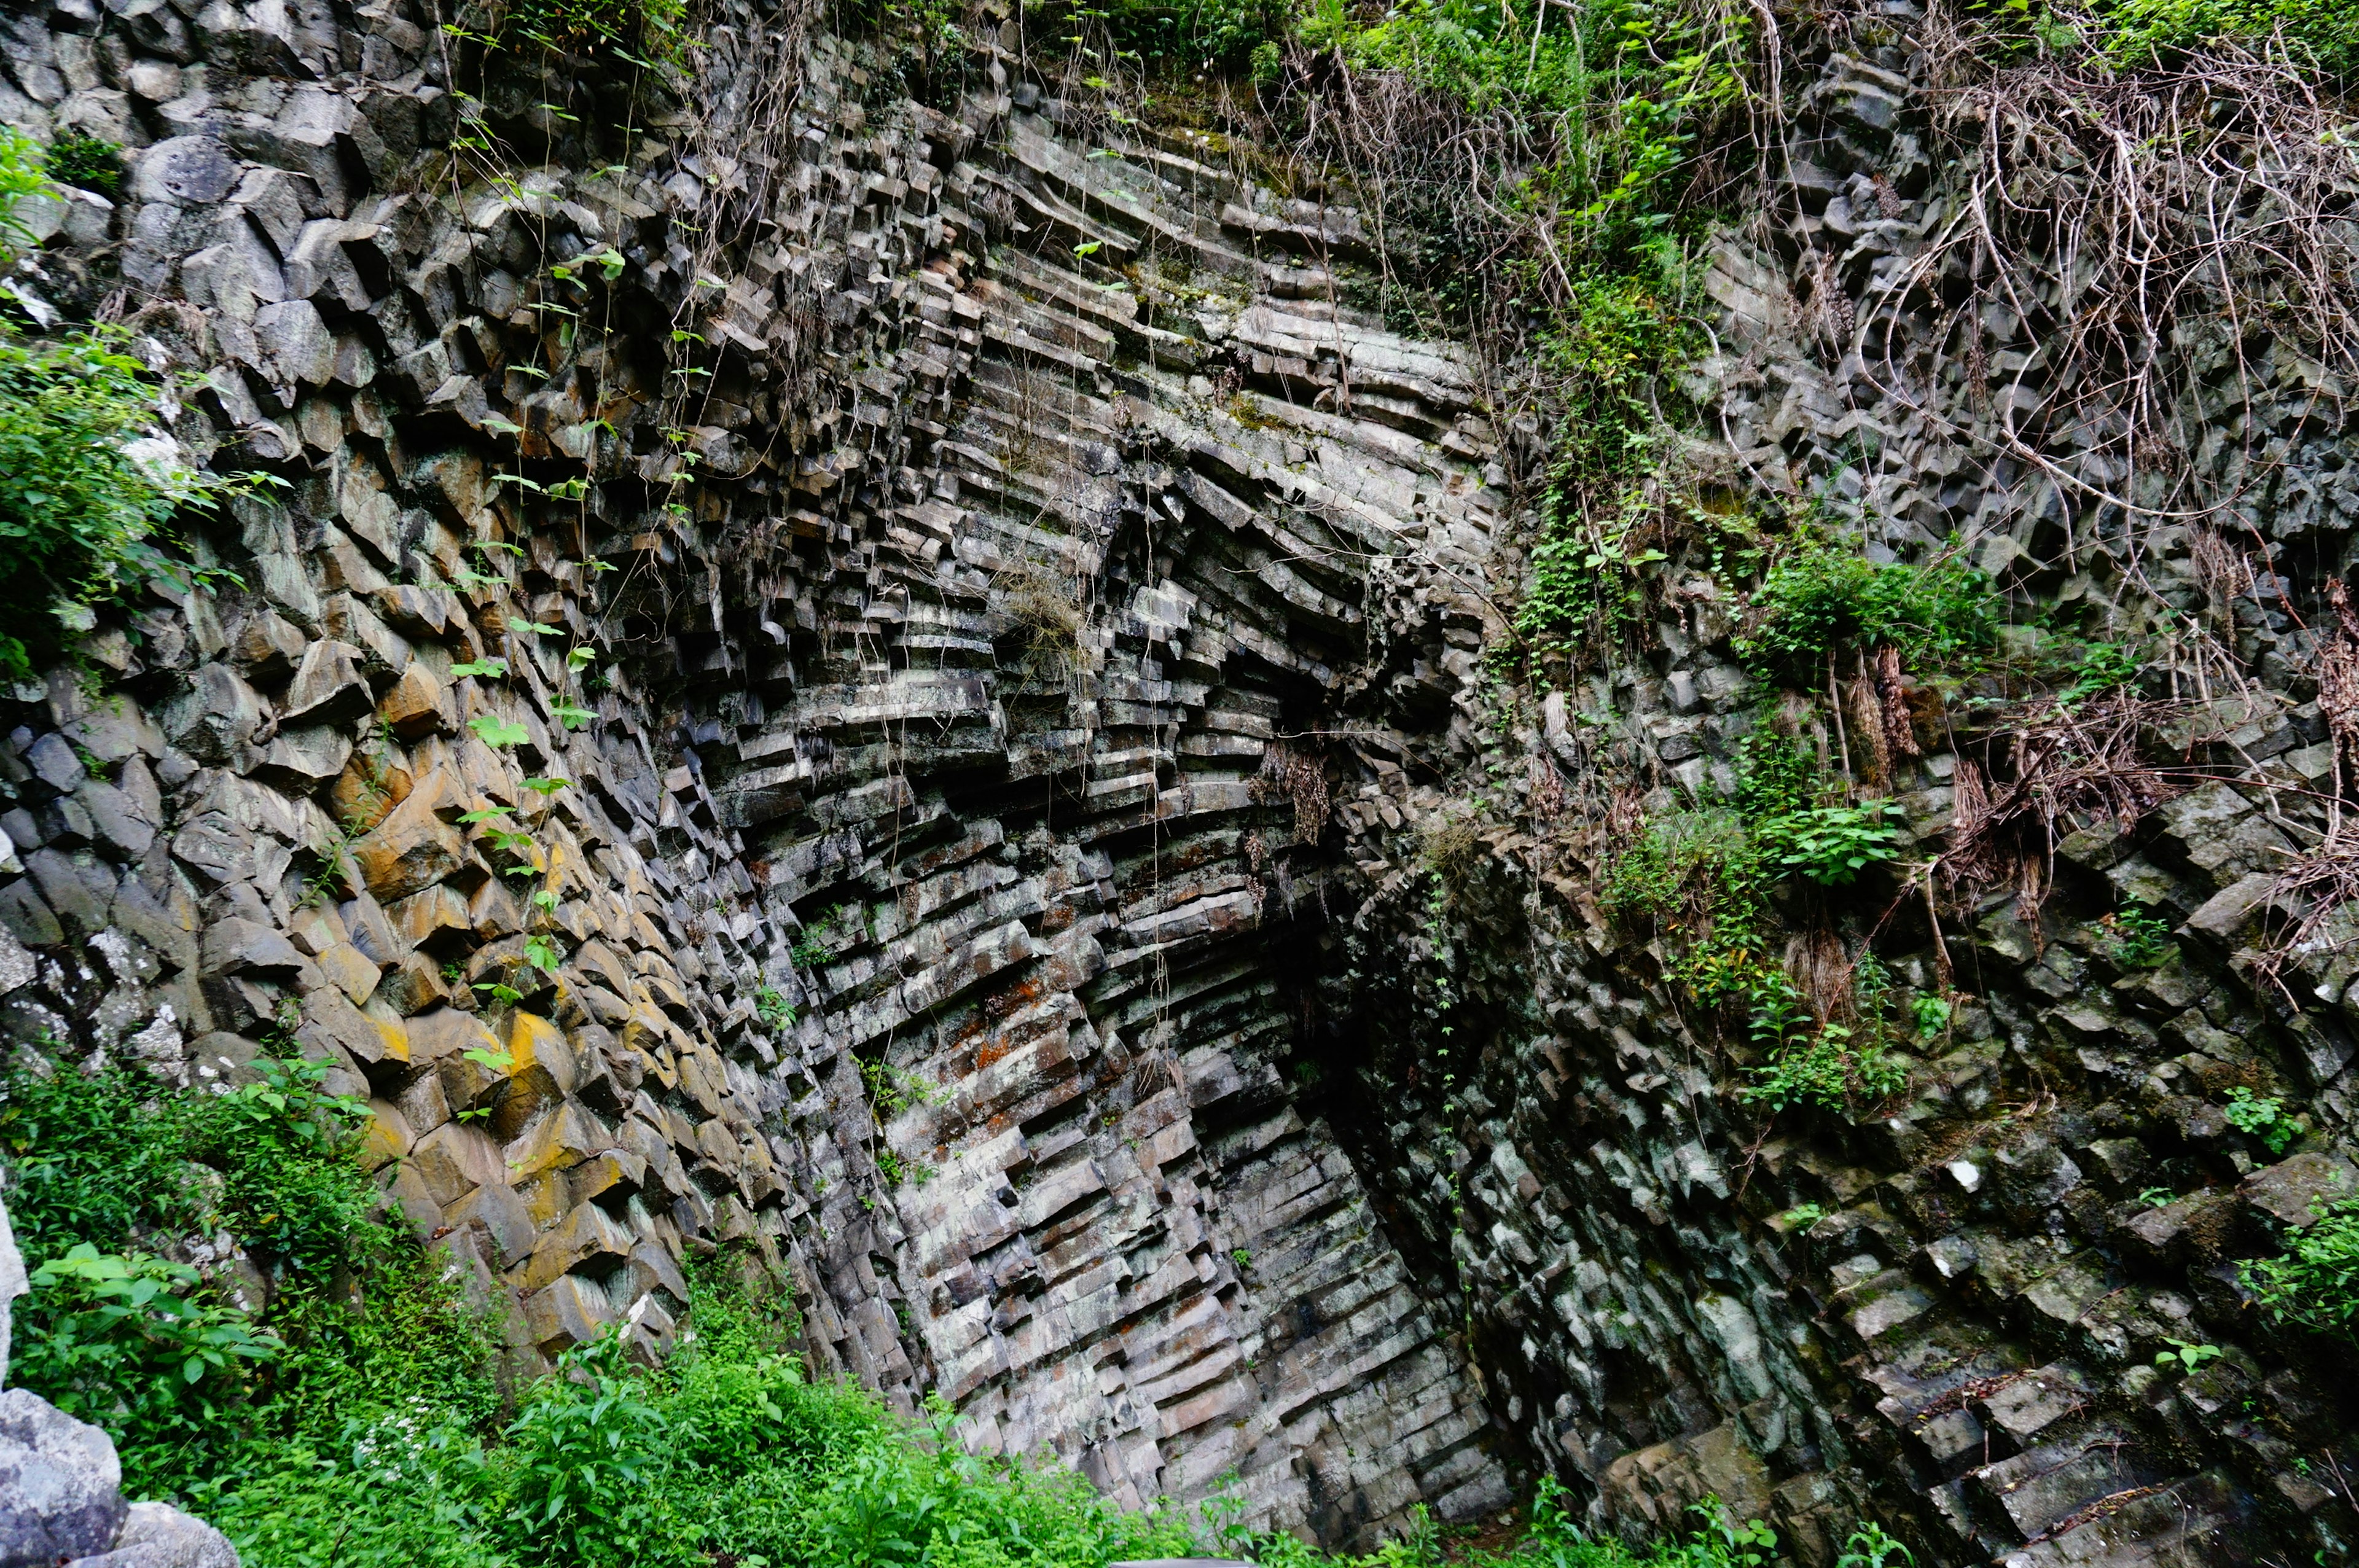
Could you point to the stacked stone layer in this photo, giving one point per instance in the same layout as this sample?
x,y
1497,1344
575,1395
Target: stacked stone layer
x,y
932,864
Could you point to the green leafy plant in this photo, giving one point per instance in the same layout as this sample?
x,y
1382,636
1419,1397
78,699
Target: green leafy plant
x,y
771,1006
1775,775
2188,1355
495,731
1742,1543
584,1462
892,1089
2136,937
78,158
1823,599
20,175
2315,1281
2104,667
1835,1068
1870,1546
137,1341
2158,1198
1801,1217
2267,1119
1931,1014
2321,34
1832,844
625,28
85,492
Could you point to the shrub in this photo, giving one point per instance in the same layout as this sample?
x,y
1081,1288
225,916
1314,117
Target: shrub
x,y
1836,1069
2322,34
2136,938
2267,1119
1832,844
1681,869
20,175
1210,35
1775,775
133,1344
106,1159
2315,1281
82,499
353,1431
1822,598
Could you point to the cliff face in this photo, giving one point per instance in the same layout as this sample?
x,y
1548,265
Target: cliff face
x,y
939,864
1013,868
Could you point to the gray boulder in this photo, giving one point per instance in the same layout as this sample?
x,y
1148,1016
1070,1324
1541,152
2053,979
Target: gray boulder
x,y
61,1486
159,1535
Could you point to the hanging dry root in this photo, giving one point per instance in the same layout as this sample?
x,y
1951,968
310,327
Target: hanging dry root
x,y
2067,770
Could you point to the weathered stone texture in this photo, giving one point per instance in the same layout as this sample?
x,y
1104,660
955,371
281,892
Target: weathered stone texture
x,y
925,871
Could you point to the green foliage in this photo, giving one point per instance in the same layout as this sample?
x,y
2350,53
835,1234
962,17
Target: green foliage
x,y
134,1343
1608,353
892,1089
1680,865
810,949
1840,1067
1801,1217
2137,939
355,1430
1776,774
104,1161
1837,1068
79,515
1832,844
78,158
1625,88
2315,1281
1870,1547
2104,667
2190,1356
1610,346
1822,598
771,1006
20,175
1931,1014
1585,583
2267,1119
1203,34
2321,34
650,27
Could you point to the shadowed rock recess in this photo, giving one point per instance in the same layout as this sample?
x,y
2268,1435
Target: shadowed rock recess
x,y
1037,632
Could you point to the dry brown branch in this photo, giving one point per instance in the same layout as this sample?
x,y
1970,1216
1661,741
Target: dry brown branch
x,y
2322,885
1299,777
2067,770
2134,233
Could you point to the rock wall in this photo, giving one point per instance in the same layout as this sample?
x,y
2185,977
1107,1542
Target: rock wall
x,y
1039,864
979,524
1959,1335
